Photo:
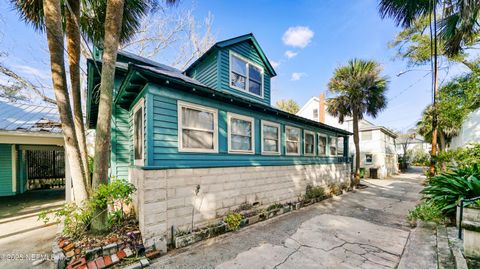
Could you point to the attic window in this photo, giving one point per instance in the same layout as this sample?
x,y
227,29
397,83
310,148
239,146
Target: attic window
x,y
245,76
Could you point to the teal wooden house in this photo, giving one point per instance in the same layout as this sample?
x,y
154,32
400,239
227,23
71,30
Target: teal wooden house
x,y
211,125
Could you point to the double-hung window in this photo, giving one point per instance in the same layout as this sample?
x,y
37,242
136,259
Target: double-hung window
x,y
197,128
270,138
241,130
292,140
340,146
333,145
245,75
138,132
322,145
309,143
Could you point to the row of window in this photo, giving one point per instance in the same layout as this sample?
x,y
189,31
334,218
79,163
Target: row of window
x,y
197,128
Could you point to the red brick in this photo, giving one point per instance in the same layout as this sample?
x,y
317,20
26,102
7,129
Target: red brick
x,y
91,265
121,254
100,263
61,243
107,260
77,264
77,251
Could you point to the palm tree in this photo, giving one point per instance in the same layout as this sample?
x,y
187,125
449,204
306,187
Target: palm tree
x,y
89,19
359,90
53,26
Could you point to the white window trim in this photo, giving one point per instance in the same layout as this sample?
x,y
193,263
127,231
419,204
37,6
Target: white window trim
x,y
305,132
273,124
180,105
231,54
299,141
326,145
140,105
371,162
252,139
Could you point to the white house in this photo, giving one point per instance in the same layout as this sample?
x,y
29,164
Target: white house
x,y
470,131
415,142
377,143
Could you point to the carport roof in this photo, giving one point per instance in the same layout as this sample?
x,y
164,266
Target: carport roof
x,y
29,118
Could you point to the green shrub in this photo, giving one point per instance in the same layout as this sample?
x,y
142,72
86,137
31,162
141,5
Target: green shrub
x,y
461,157
445,190
233,221
314,192
76,219
334,189
426,212
274,206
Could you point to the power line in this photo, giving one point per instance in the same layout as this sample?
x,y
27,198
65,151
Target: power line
x,y
409,87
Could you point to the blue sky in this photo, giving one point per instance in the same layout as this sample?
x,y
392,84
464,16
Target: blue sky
x,y
338,31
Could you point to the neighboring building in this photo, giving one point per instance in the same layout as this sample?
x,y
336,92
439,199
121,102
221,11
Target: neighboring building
x,y
417,142
377,143
212,126
31,149
470,131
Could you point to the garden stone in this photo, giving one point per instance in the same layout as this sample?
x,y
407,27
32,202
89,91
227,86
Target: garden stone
x,y
91,254
128,252
114,258
144,262
109,249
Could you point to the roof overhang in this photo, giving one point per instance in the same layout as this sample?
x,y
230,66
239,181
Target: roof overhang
x,y
136,72
31,138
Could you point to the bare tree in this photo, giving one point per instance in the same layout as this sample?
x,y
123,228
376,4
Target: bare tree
x,y
173,35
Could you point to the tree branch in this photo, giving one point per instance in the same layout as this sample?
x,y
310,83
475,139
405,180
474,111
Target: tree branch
x,y
10,73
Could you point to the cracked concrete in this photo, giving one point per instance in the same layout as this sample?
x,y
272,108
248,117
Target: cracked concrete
x,y
362,229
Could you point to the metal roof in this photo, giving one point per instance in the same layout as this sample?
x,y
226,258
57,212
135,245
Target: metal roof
x,y
29,118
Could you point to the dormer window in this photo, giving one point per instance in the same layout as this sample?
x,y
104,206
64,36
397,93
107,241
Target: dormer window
x,y
245,75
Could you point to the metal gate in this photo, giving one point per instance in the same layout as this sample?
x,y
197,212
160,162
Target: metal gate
x,y
45,169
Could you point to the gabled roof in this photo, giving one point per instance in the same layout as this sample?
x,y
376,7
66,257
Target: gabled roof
x,y
29,118
232,41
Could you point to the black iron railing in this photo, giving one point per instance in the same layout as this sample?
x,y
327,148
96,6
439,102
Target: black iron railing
x,y
462,203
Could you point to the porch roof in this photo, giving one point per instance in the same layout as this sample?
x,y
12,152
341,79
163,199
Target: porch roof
x,y
29,118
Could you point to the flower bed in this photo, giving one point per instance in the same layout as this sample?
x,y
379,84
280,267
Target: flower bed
x,y
251,215
122,246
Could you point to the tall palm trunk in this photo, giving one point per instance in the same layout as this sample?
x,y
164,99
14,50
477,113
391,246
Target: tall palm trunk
x,y
113,23
356,141
53,22
73,47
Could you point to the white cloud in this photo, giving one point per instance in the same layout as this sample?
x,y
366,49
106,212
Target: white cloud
x,y
31,71
298,36
297,76
290,54
275,64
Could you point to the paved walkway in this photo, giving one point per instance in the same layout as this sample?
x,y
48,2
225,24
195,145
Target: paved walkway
x,y
362,229
25,240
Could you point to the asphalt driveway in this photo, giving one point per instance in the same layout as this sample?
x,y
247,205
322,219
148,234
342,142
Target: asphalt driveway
x,y
363,229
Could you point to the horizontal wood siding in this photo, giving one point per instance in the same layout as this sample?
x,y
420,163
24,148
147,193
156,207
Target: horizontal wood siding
x,y
121,143
206,71
246,50
6,170
165,135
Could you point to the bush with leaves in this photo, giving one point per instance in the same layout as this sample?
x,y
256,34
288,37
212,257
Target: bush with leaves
x,y
461,157
312,192
233,221
445,190
76,219
426,212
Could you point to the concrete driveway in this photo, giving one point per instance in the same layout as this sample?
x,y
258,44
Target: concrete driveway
x,y
362,229
24,240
